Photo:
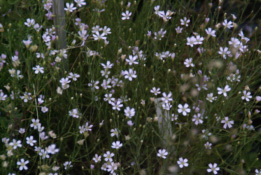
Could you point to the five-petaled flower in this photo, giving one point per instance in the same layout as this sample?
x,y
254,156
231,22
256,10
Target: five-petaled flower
x,y
116,145
213,168
182,162
224,91
126,15
227,123
22,164
162,153
38,69
246,95
184,109
69,7
30,141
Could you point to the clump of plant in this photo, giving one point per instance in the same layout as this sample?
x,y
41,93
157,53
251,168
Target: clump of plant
x,y
142,87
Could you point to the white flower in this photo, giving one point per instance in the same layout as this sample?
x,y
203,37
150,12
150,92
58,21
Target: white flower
x,y
174,117
26,97
5,140
227,24
2,96
52,149
67,164
116,145
96,158
73,76
241,34
211,32
99,36
224,91
37,149
114,132
65,83
106,30
35,123
199,40
227,123
111,167
155,91
117,104
96,29
188,62
44,154
213,168
258,172
15,73
108,156
184,21
166,97
15,144
246,95
126,15
224,52
129,74
69,7
108,65
27,42
40,99
156,8
80,2
210,97
55,168
132,60
235,42
248,127
165,15
22,163
82,129
43,136
208,145
106,83
149,33
38,27
130,123
21,130
191,41
40,128
258,98
234,16
160,34
197,119
94,85
166,106
44,109
182,162
88,127
162,153
74,113
38,69
29,22
179,29
129,112
183,109
30,141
